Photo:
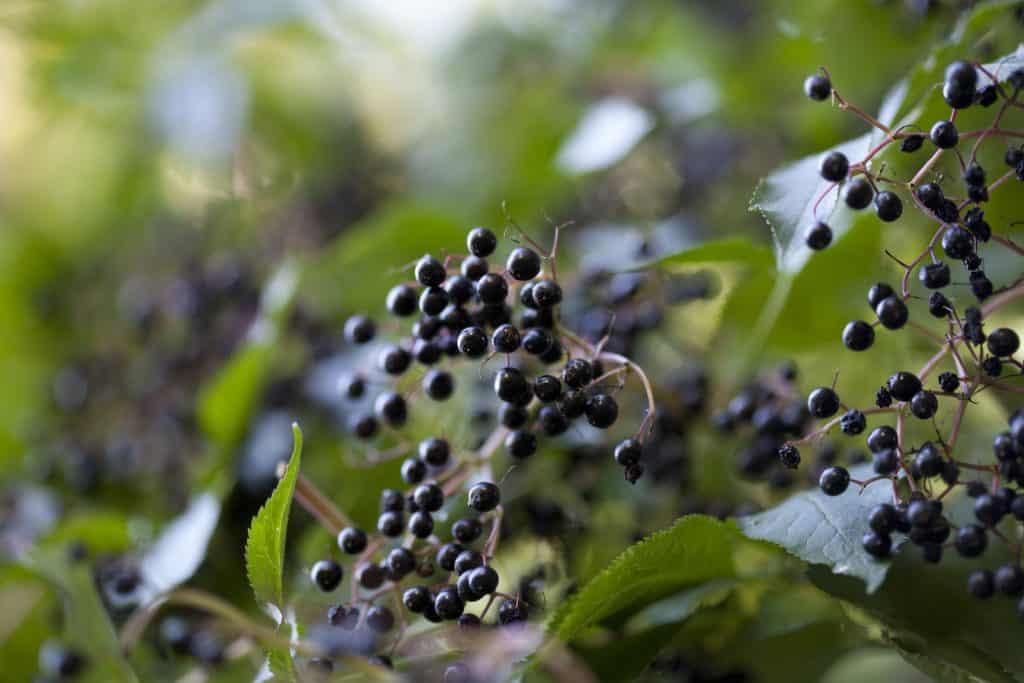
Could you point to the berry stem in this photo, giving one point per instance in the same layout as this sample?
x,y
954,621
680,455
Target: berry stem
x,y
317,504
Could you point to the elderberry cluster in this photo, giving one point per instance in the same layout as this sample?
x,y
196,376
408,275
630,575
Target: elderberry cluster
x,y
923,471
426,558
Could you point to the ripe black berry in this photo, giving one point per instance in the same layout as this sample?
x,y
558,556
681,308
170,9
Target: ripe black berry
x,y
819,236
433,300
886,462
970,540
429,271
834,166
981,584
59,661
903,385
858,335
511,385
520,444
506,339
858,194
1003,342
359,329
413,471
428,496
438,384
365,426
1009,580
817,87
416,599
577,373
989,509
390,407
448,604
601,411
879,292
552,421
380,619
352,541
881,438
390,524
481,242
823,402
892,313
876,544
326,574
546,293
467,530
834,481
537,341
512,416
882,518
492,289
523,263
467,561
912,143
931,195
460,289
483,580
929,461
888,206
472,342
484,496
573,404
401,301
434,451
474,268
399,563
924,404
628,452
547,388
934,275
394,360
944,134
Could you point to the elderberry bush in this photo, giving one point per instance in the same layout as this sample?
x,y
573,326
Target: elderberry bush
x,y
944,295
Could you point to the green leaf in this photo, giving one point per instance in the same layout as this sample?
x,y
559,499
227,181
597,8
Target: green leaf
x,y
727,250
926,612
264,547
87,626
826,530
696,549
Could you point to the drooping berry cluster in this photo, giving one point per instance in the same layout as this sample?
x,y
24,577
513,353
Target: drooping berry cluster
x,y
922,472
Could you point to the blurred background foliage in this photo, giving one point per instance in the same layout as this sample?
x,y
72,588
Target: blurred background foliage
x,y
194,194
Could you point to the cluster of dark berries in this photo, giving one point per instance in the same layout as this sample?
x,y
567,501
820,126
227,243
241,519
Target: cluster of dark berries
x,y
419,560
962,222
923,472
549,376
768,413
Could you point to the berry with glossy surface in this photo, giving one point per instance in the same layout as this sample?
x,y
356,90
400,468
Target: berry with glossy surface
x,y
903,385
481,242
602,410
520,444
834,481
858,335
834,166
523,263
429,271
823,402
888,206
892,313
817,87
944,134
326,574
628,452
484,496
818,236
859,194
352,541
1003,342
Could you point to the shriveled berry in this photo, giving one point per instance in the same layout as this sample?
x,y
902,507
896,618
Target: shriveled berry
x,y
934,275
853,422
789,456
